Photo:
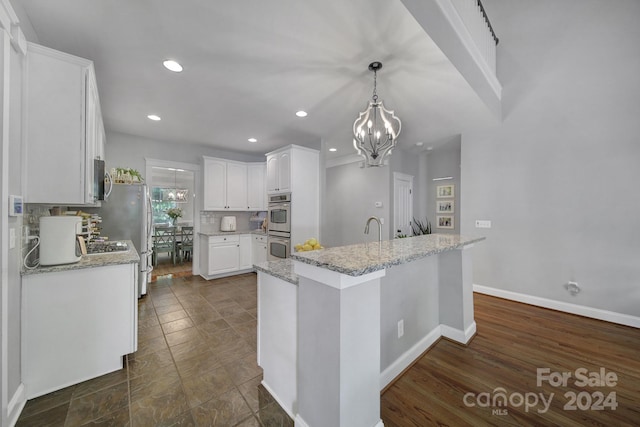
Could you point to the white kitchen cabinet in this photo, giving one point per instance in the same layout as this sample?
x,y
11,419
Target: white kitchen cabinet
x,y
77,325
279,171
64,130
296,169
225,185
256,187
224,255
245,252
258,249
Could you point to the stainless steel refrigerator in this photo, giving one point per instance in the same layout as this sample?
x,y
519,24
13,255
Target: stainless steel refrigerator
x,y
127,215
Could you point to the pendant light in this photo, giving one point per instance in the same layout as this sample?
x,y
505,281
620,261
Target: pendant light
x,y
376,130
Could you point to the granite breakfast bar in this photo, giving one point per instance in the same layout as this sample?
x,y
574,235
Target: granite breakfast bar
x,y
362,314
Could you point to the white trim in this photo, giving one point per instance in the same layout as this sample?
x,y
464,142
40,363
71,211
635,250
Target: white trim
x,y
299,422
457,335
343,160
16,405
332,278
277,399
581,310
408,357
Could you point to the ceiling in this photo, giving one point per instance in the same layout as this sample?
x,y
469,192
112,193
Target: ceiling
x,y
250,65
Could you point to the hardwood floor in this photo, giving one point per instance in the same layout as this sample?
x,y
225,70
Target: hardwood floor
x,y
513,341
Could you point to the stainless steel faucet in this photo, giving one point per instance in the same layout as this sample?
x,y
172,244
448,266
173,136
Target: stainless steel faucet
x,y
366,228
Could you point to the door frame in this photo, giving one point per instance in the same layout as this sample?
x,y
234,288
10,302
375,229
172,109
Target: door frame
x,y
397,178
197,203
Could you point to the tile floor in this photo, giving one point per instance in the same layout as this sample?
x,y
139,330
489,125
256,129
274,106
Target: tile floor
x,y
195,365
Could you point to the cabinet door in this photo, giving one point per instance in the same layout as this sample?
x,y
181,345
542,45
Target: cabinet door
x,y
259,250
272,173
91,138
284,171
215,184
245,252
256,190
237,186
55,134
223,258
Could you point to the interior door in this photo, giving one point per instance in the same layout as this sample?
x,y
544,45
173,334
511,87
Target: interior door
x,y
402,204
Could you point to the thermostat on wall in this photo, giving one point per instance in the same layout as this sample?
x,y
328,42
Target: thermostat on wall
x,y
15,206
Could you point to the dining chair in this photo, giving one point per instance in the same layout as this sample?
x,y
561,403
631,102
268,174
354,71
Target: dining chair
x,y
185,245
164,240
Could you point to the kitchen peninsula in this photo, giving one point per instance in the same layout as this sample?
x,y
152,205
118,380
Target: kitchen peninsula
x,y
78,320
358,315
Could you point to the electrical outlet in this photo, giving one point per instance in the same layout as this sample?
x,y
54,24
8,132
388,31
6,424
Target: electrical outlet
x,y
12,238
400,328
483,223
573,288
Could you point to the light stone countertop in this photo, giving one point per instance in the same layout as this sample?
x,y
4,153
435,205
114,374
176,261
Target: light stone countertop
x,y
363,258
282,269
92,261
227,233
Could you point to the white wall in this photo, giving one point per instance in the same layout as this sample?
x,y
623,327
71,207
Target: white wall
x,y
559,177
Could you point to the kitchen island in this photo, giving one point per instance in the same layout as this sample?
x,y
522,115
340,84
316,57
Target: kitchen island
x,y
362,314
78,320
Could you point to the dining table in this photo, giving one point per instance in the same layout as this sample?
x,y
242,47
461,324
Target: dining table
x,y
177,240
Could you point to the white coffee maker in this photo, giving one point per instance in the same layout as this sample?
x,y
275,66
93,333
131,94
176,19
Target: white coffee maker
x,y
58,239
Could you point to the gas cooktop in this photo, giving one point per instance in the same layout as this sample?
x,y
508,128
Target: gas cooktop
x,y
104,247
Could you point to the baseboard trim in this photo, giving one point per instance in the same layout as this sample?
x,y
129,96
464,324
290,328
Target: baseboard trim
x,y
16,405
299,422
277,399
581,310
457,335
408,357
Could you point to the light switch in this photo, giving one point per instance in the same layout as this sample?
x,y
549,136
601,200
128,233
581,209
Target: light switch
x,y
483,223
12,238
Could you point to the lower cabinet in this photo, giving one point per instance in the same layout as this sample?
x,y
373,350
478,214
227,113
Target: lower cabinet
x,y
225,255
259,249
77,325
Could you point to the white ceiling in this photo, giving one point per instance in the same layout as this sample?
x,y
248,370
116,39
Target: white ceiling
x,y
249,65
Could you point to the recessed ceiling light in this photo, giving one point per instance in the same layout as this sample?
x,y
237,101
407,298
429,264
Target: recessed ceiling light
x,y
154,117
301,113
172,65
419,144
333,149
252,140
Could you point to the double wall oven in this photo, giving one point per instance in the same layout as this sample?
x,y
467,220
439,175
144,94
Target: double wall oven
x,y
279,229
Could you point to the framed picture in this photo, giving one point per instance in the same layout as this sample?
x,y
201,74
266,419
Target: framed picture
x,y
445,206
444,221
445,191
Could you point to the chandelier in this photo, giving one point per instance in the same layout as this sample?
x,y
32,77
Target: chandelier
x,y
376,130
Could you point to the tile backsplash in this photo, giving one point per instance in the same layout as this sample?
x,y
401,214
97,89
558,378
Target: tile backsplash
x,y
245,221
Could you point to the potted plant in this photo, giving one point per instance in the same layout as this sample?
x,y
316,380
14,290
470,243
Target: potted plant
x,y
174,214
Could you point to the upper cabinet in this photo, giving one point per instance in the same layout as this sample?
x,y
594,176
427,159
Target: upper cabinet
x,y
256,188
64,128
233,186
279,171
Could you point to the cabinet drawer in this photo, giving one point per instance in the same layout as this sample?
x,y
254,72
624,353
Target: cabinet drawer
x,y
224,239
258,238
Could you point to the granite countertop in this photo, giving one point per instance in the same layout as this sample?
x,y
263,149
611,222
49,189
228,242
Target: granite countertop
x,y
363,258
91,261
282,269
227,233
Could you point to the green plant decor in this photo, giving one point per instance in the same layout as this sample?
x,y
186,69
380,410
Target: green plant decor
x,y
419,228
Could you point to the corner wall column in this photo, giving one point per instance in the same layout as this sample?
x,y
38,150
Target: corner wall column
x,y
338,348
455,269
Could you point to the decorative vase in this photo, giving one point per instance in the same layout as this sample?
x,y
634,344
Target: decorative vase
x,y
174,221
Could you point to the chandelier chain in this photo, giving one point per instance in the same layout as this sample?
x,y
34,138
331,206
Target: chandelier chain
x,y
375,93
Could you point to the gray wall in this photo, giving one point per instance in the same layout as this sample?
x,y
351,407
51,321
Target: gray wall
x,y
123,150
444,161
559,178
350,195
